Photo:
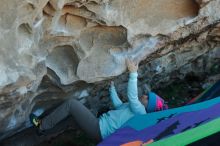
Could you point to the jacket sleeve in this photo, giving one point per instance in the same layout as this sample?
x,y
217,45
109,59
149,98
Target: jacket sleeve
x,y
132,94
114,97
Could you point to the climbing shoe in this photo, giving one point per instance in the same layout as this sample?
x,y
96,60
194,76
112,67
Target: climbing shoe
x,y
35,120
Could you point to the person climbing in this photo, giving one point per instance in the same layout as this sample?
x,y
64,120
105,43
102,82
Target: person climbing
x,y
107,123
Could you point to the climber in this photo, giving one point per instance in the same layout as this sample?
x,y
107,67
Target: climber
x,y
107,123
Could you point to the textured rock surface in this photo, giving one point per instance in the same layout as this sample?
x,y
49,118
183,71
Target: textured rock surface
x,y
51,48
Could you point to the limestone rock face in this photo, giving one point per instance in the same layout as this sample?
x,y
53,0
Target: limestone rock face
x,y
98,44
50,48
147,17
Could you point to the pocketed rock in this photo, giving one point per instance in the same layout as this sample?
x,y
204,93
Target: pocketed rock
x,y
53,49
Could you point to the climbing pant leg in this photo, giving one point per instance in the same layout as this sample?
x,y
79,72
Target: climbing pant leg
x,y
83,117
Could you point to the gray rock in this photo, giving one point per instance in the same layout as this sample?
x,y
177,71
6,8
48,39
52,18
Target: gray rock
x,y
54,48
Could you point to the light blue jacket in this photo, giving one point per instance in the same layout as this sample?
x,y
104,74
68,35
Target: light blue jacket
x,y
114,119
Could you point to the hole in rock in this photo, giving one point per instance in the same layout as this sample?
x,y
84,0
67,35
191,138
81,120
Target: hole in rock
x,y
49,10
25,29
63,61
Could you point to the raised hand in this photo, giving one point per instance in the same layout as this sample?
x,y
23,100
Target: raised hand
x,y
132,65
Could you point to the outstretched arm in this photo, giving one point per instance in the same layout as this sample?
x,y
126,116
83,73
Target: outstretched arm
x,y
132,91
114,96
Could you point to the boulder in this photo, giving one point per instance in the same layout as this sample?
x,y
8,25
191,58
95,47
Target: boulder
x,y
52,50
